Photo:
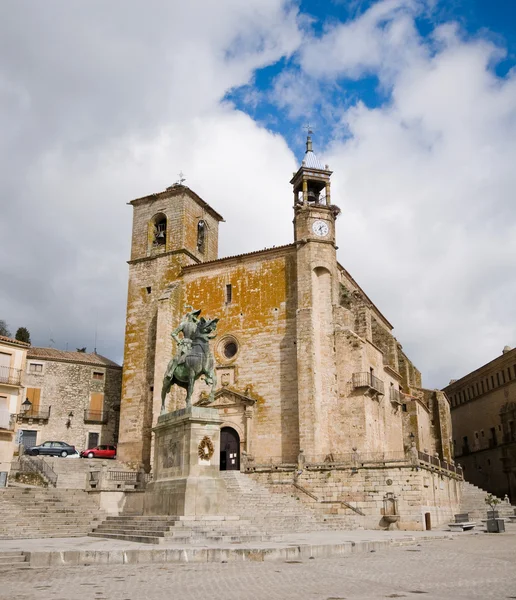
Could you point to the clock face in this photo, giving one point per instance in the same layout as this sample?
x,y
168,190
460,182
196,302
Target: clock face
x,y
320,228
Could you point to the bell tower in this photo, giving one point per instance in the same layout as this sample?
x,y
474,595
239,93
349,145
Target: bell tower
x,y
317,295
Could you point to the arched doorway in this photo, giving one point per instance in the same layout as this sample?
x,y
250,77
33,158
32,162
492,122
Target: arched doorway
x,y
229,449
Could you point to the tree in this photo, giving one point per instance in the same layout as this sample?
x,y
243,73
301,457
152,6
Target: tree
x,y
4,329
22,335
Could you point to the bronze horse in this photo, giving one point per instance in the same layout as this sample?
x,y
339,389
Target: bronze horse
x,y
196,362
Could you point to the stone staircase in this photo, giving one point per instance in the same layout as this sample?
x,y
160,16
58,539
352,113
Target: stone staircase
x,y
279,512
473,503
10,560
31,512
189,530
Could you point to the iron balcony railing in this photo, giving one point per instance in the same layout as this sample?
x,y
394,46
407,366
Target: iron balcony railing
x,y
43,414
368,380
95,416
395,396
10,376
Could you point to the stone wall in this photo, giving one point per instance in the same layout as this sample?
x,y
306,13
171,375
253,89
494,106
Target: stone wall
x,y
417,492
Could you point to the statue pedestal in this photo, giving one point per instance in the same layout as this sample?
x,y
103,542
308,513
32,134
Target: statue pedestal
x,y
187,479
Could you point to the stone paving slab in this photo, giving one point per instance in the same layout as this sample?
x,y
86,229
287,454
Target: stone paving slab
x,y
51,552
475,566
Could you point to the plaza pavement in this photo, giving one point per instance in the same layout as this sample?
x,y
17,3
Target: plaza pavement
x,y
467,566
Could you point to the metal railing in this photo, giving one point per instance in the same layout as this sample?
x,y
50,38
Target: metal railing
x,y
10,376
395,396
95,416
7,420
129,476
354,460
42,414
33,464
368,380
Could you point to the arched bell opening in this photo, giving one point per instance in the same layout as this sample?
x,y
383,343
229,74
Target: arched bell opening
x,y
229,449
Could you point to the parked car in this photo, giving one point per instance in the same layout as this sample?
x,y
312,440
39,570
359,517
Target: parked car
x,y
103,451
51,449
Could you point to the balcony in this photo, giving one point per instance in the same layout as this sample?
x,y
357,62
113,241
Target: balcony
x,y
41,414
96,416
10,376
7,420
372,384
395,396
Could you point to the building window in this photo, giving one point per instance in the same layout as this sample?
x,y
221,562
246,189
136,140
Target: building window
x,y
98,375
482,432
159,230
35,368
503,376
201,236
509,373
229,294
482,385
492,382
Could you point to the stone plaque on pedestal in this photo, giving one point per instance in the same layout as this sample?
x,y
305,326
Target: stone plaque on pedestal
x,y
187,478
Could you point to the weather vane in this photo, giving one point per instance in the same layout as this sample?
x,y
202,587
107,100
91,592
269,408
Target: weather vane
x,y
309,128
182,178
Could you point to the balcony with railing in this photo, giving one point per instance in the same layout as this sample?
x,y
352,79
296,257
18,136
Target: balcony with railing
x,y
10,376
38,414
96,416
395,397
372,384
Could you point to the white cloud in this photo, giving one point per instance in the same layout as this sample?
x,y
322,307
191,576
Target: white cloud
x,y
426,184
102,103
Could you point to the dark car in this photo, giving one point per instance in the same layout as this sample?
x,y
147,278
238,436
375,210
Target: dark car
x,y
103,451
51,449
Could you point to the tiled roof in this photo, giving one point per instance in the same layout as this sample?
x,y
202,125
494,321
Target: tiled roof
x,y
9,340
253,253
72,357
311,161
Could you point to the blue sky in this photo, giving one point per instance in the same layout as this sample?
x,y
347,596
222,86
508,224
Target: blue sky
x,y
494,20
413,105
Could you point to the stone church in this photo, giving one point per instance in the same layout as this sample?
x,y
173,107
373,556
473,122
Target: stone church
x,y
308,370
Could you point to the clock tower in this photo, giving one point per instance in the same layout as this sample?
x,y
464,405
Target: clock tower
x,y
317,295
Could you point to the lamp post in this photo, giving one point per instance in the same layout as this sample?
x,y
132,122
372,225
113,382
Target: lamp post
x,y
26,406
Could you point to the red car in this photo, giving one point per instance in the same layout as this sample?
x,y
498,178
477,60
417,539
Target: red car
x,y
102,451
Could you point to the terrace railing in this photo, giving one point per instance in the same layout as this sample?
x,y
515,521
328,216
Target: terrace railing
x,y
10,376
95,416
368,380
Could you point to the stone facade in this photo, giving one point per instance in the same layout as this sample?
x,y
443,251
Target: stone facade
x,y
304,359
483,410
13,355
75,398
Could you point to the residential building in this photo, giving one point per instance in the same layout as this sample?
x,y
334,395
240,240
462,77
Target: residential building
x,y
74,397
12,364
483,410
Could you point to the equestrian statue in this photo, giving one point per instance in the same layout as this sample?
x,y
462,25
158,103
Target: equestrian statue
x,y
193,358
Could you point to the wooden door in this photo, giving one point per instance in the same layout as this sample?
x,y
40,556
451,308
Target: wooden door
x,y
33,395
229,450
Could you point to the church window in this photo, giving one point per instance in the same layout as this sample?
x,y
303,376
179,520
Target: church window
x,y
503,376
492,382
201,235
229,293
230,349
160,230
149,289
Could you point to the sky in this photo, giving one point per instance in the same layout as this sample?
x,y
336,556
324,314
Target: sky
x,y
412,103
